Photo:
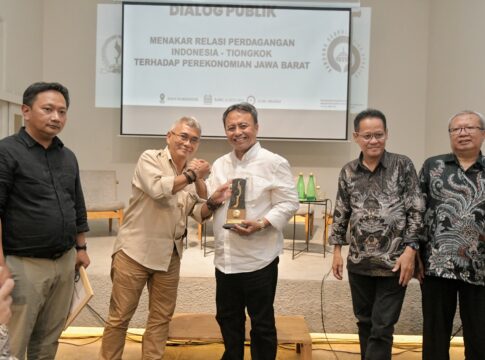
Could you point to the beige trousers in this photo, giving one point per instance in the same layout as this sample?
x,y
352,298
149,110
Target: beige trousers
x,y
41,301
129,279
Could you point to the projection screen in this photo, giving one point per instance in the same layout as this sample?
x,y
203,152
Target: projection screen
x,y
196,60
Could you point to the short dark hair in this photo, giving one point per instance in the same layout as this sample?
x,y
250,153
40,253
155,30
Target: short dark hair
x,y
30,94
242,107
369,113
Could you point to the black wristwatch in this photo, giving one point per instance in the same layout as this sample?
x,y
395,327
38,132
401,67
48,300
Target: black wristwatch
x,y
81,247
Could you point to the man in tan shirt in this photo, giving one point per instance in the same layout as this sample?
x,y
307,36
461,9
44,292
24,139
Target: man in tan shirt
x,y
166,188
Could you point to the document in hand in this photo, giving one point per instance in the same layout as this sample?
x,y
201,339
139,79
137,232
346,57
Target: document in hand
x,y
83,292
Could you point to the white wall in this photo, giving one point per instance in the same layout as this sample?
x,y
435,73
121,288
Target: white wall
x,y
21,46
456,75
398,67
425,64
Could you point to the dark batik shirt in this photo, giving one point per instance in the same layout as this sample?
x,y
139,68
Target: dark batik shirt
x,y
454,232
384,208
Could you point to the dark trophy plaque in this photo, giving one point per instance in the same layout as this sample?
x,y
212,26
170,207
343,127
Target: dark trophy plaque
x,y
237,207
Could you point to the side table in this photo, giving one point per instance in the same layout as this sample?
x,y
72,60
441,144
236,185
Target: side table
x,y
318,202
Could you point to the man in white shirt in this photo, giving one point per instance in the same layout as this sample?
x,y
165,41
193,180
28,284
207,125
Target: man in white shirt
x,y
246,256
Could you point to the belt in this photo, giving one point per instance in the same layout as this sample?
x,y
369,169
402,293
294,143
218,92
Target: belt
x,y
52,256
57,255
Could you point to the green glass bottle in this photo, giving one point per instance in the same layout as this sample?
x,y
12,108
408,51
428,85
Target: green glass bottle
x,y
301,187
310,189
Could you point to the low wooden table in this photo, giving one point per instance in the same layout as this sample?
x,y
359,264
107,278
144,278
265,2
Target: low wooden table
x,y
204,327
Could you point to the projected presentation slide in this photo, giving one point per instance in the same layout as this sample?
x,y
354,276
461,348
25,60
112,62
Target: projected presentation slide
x,y
199,59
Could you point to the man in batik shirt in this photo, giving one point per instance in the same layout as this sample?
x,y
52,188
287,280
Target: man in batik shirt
x,y
454,252
378,193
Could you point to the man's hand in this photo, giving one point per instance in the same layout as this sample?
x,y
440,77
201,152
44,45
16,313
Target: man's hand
x,y
200,167
338,263
405,263
222,193
82,258
249,227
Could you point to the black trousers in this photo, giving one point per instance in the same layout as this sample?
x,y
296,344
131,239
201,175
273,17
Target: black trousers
x,y
254,291
377,303
439,307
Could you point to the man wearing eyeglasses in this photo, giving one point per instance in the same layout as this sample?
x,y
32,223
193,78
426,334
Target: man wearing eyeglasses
x,y
167,187
378,194
453,251
247,255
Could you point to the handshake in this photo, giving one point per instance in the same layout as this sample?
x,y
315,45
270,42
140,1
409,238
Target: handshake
x,y
197,169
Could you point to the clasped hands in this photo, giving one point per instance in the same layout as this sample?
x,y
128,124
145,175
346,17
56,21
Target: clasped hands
x,y
200,167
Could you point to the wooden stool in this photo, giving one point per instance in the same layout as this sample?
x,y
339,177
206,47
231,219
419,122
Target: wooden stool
x,y
204,327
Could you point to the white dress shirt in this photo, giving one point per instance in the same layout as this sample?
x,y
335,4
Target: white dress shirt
x,y
270,193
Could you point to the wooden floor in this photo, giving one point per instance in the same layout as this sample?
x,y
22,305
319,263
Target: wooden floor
x,y
83,349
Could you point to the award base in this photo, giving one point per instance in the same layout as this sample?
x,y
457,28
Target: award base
x,y
232,226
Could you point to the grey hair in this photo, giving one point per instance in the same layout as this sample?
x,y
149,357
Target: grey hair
x,y
469,112
190,121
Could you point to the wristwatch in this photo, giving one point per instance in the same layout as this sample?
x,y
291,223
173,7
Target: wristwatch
x,y
261,224
81,247
413,245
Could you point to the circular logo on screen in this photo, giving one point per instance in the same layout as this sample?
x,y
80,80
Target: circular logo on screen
x,y
336,51
251,100
111,55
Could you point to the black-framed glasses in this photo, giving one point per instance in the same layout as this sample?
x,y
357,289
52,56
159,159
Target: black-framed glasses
x,y
368,136
185,137
467,129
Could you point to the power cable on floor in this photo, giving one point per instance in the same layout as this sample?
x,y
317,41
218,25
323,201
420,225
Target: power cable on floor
x,y
322,309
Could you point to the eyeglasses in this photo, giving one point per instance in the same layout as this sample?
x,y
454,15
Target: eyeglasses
x,y
467,129
185,137
368,136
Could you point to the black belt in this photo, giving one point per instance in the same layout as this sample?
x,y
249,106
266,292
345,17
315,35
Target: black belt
x,y
51,256
58,255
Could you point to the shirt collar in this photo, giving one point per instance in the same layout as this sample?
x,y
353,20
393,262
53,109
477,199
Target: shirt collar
x,y
169,157
383,161
481,160
167,152
29,141
248,155
451,157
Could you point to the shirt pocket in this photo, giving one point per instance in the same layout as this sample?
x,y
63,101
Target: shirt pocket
x,y
257,190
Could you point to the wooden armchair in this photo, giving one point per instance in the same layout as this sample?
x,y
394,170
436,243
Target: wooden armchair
x,y
100,195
